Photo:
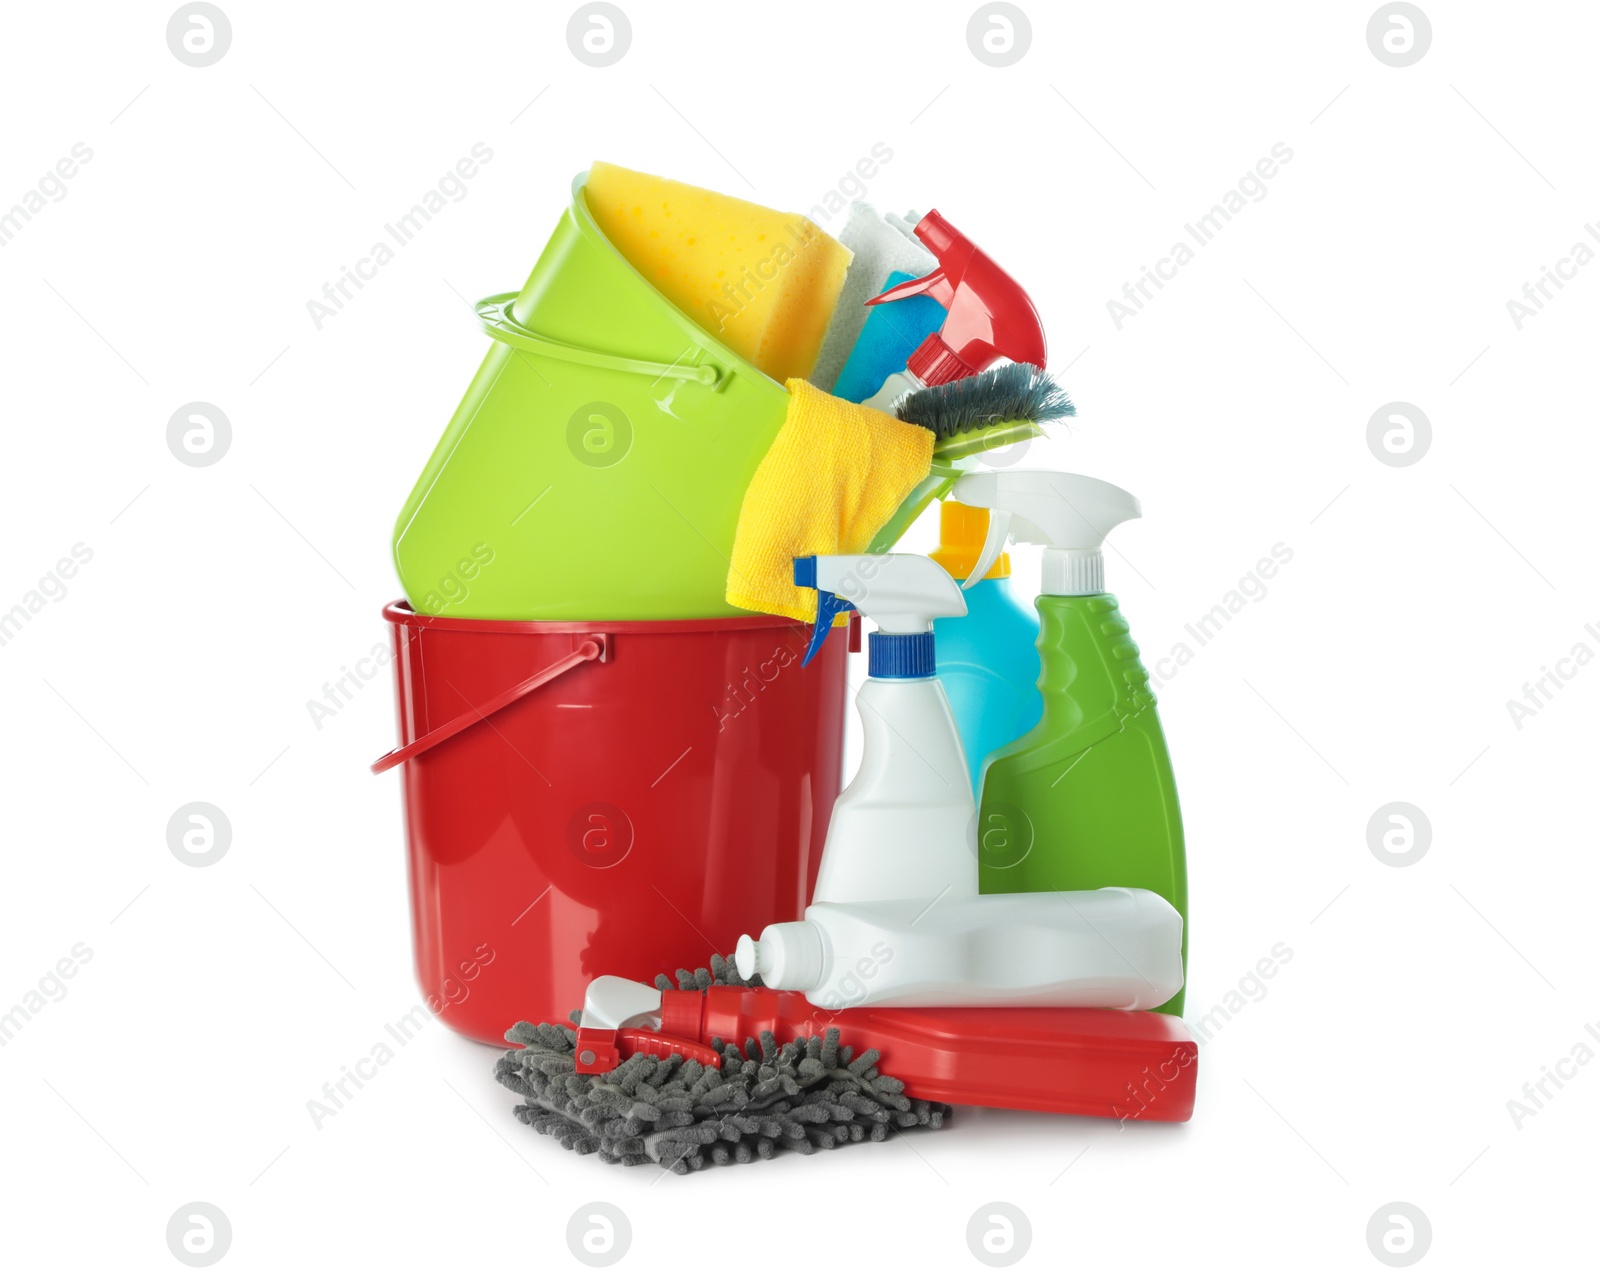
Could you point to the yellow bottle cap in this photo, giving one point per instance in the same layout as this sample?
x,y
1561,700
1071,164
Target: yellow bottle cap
x,y
962,530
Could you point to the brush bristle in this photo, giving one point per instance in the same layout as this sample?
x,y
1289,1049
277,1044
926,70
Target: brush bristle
x,y
1015,392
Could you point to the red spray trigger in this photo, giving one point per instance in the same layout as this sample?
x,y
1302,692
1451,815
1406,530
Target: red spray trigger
x,y
990,315
934,284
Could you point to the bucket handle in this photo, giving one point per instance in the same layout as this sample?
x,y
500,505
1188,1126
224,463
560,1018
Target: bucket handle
x,y
594,648
494,316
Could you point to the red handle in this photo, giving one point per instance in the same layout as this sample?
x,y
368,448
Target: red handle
x,y
593,648
602,1049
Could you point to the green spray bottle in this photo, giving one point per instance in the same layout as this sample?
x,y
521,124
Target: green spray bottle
x,y
1087,798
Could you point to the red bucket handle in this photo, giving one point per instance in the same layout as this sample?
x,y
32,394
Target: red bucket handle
x,y
594,648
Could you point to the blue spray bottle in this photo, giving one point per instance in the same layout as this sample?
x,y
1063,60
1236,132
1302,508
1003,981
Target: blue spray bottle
x,y
988,662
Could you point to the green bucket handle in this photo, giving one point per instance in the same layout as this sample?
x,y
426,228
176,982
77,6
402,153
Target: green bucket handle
x,y
494,316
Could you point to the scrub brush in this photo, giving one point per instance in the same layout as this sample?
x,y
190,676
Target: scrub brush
x,y
682,1115
968,416
994,408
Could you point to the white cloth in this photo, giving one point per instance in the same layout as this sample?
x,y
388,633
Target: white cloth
x,y
882,246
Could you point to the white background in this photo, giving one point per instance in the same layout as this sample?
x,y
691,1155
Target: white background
x,y
1378,1064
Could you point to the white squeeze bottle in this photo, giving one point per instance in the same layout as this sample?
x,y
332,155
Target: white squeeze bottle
x,y
1118,947
896,918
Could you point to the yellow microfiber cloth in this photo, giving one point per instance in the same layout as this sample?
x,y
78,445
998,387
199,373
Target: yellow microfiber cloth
x,y
834,475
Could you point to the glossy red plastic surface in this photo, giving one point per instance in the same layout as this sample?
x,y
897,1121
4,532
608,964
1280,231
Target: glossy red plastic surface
x,y
1129,1065
602,1049
990,315
625,817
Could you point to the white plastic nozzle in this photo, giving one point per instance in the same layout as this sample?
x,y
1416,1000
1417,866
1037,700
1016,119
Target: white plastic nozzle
x,y
902,593
1070,514
787,956
612,1001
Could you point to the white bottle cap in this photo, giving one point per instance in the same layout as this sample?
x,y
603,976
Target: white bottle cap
x,y
1072,571
788,956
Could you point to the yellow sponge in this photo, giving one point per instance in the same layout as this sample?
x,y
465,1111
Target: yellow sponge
x,y
763,282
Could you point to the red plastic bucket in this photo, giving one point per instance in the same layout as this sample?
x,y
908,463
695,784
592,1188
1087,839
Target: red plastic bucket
x,y
604,798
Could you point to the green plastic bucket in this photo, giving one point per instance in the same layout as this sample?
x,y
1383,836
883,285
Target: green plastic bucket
x,y
596,466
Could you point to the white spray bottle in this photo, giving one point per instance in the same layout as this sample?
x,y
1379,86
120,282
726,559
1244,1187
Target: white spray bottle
x,y
904,827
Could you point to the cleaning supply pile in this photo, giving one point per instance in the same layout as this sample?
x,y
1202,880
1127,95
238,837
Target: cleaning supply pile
x,y
636,567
